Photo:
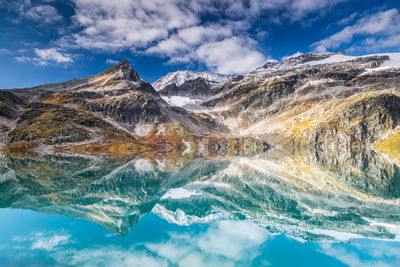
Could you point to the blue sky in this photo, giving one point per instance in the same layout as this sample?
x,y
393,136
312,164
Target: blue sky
x,y
45,41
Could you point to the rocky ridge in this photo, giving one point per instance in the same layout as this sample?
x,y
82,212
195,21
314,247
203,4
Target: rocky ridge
x,y
89,114
326,101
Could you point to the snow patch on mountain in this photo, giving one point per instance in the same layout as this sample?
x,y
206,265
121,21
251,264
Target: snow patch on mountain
x,y
393,62
179,193
335,58
180,101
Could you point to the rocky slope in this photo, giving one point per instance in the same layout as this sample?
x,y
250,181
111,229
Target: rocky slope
x,y
329,101
114,108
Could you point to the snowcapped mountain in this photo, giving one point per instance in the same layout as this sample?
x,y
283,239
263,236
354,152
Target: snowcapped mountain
x,y
105,110
182,76
189,83
308,60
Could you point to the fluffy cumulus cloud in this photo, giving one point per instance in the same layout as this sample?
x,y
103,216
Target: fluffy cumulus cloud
x,y
111,61
176,29
48,56
43,13
49,243
377,31
220,35
112,26
170,29
232,55
39,11
44,241
378,254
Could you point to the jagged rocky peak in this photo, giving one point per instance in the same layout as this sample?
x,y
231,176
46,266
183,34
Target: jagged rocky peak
x,y
304,58
125,71
189,83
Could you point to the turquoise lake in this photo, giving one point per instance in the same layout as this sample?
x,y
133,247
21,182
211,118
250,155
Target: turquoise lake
x,y
265,210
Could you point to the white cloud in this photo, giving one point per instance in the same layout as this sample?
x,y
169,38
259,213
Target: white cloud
x,y
108,256
40,13
169,47
347,20
293,10
380,30
175,29
52,55
47,56
214,46
112,61
4,51
197,34
43,13
233,55
43,241
110,26
49,243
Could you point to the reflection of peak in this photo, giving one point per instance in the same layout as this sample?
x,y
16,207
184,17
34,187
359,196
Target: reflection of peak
x,y
180,218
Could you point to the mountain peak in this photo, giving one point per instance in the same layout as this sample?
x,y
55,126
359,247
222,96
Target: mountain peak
x,y
125,71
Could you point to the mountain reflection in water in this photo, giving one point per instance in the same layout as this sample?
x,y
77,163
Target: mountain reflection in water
x,y
307,196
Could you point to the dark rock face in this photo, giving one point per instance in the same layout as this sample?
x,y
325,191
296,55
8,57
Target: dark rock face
x,y
359,125
9,104
3,128
131,108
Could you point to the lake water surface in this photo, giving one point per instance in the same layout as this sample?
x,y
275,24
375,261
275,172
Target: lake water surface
x,y
272,209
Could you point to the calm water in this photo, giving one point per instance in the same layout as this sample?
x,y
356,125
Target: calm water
x,y
273,209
